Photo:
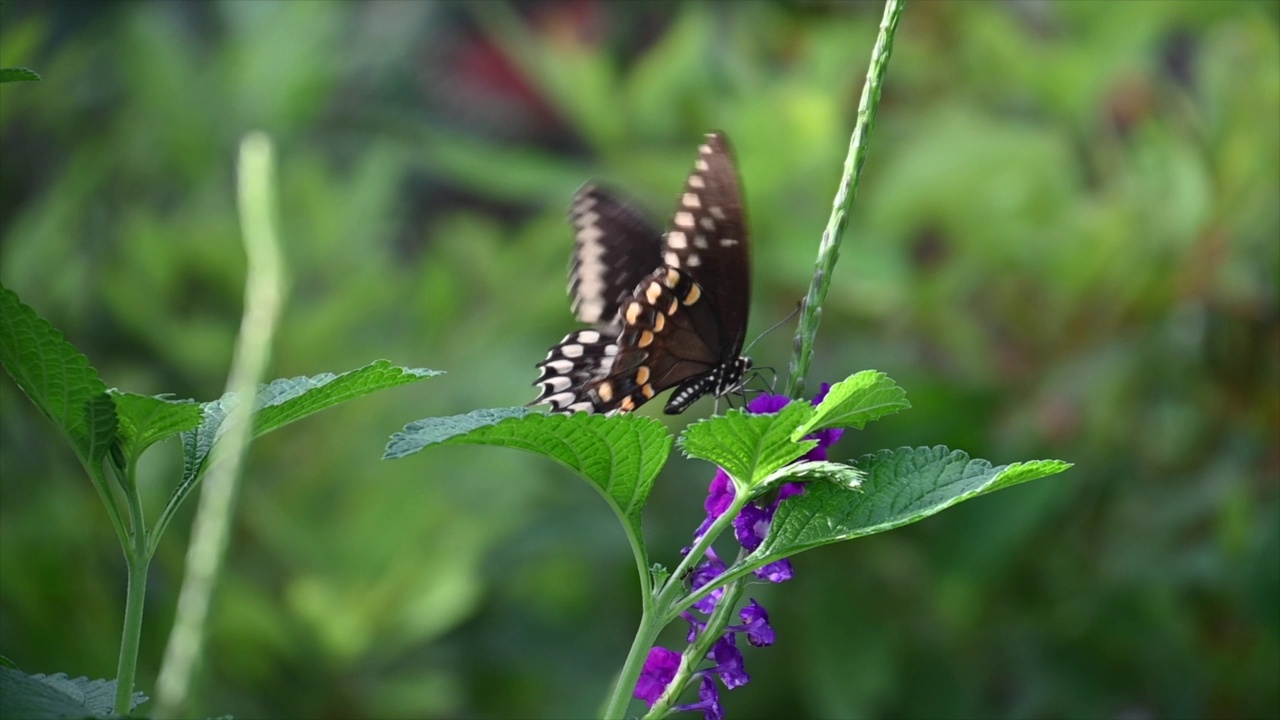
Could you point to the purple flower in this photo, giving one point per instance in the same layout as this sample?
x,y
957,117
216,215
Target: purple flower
x,y
755,623
719,497
765,404
708,701
775,572
659,670
728,662
704,573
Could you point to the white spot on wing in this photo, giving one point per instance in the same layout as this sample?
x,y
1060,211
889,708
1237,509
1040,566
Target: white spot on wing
x,y
671,259
556,384
684,220
588,336
693,260
700,241
677,239
691,200
571,351
728,242
717,211
560,366
696,181
707,223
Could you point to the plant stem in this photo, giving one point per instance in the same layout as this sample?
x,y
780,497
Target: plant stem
x,y
829,250
137,560
131,638
659,613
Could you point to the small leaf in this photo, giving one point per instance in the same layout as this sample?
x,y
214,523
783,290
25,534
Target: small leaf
x,y
146,420
56,696
749,447
620,456
844,476
900,487
18,74
856,401
279,403
57,378
283,401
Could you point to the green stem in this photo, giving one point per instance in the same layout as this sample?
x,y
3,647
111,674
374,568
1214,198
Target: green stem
x,y
694,654
659,614
829,250
137,560
616,706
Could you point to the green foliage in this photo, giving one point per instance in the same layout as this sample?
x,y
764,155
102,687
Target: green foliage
x,y
898,487
749,447
146,420
57,378
8,75
620,457
1064,245
53,697
855,401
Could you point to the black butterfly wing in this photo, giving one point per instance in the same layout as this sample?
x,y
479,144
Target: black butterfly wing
x,y
683,323
707,239
614,247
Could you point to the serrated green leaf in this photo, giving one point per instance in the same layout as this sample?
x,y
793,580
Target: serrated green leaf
x,y
749,447
900,487
40,697
279,403
283,401
856,401
146,420
620,456
57,378
18,74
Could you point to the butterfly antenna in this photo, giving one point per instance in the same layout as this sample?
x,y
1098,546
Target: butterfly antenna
x,y
775,326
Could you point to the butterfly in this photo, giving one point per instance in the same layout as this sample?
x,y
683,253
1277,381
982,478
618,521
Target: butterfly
x,y
666,309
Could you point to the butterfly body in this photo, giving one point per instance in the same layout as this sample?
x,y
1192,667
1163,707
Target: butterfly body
x,y
668,309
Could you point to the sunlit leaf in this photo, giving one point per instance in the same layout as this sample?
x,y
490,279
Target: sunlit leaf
x,y
855,401
749,447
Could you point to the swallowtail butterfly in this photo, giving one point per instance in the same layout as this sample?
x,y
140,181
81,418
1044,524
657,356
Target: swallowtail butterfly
x,y
666,309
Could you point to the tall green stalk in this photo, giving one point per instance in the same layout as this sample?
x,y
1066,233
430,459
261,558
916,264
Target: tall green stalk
x,y
264,296
829,249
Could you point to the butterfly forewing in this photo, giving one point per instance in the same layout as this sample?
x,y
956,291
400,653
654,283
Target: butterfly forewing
x,y
707,238
614,246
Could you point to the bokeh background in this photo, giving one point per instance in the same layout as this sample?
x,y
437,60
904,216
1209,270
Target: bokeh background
x,y
1066,244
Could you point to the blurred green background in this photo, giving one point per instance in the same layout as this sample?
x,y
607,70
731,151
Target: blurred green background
x,y
1066,244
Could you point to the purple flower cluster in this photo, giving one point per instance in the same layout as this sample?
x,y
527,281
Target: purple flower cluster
x,y
749,528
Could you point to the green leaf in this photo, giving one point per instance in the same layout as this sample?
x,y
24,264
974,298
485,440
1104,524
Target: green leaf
x,y
146,420
900,487
18,74
283,401
749,447
278,403
37,697
856,401
57,378
620,456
